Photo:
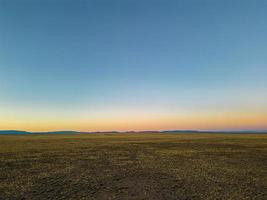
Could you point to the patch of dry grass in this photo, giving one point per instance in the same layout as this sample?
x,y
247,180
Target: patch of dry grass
x,y
133,166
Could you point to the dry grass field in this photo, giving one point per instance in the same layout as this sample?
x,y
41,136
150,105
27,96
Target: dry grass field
x,y
133,166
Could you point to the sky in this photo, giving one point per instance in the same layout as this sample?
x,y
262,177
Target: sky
x,y
98,65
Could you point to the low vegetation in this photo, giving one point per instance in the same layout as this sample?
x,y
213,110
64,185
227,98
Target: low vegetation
x,y
133,166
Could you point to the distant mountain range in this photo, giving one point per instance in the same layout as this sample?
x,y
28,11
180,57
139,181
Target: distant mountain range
x,y
18,132
13,132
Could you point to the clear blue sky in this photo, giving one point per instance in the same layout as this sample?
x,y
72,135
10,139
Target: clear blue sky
x,y
82,61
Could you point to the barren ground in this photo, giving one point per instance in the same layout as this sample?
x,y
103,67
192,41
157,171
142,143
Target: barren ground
x,y
133,166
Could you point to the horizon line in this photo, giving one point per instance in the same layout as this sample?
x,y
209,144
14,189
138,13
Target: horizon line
x,y
140,131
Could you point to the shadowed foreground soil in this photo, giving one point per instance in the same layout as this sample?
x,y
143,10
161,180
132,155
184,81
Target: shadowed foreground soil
x,y
133,166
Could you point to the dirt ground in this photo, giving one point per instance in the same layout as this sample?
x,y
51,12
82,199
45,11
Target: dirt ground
x,y
133,166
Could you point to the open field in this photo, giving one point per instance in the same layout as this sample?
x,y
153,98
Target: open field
x,y
133,166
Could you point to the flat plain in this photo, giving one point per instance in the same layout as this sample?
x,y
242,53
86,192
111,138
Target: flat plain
x,y
133,166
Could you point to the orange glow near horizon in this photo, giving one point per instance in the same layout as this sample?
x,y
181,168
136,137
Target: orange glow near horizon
x,y
200,121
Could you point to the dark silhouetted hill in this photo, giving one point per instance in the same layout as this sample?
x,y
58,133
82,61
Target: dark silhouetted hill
x,y
13,132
